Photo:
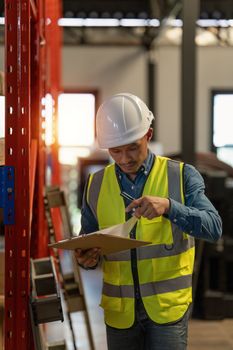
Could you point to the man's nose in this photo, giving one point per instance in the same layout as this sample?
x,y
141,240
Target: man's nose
x,y
125,157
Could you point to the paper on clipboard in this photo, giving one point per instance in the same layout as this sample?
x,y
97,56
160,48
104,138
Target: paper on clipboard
x,y
122,230
110,240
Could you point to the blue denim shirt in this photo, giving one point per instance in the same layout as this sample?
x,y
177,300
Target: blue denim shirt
x,y
197,216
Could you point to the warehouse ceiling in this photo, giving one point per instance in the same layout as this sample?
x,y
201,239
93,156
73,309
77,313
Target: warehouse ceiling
x,y
161,10
118,8
141,8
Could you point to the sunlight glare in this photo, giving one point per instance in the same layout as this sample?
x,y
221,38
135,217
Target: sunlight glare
x,y
47,101
70,155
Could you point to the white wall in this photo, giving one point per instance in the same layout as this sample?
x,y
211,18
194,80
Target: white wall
x,y
111,70
168,98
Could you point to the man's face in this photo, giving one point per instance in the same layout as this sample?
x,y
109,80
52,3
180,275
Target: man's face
x,y
130,157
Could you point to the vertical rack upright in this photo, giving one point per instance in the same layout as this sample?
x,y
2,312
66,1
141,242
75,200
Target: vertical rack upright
x,y
26,84
53,39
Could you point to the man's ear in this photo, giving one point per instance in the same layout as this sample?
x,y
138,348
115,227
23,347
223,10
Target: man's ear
x,y
149,134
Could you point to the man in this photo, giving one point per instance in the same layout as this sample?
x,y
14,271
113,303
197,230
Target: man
x,y
147,291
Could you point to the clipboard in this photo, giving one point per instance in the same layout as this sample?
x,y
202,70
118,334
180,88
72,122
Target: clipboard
x,y
110,240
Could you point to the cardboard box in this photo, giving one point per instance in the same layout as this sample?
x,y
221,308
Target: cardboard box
x,y
2,151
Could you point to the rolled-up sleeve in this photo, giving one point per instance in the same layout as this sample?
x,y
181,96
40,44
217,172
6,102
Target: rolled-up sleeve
x,y
197,216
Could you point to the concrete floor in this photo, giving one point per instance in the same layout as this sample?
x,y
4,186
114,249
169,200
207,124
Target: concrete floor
x,y
211,335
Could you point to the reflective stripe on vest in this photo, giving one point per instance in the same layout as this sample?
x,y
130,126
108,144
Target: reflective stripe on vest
x,y
147,289
94,189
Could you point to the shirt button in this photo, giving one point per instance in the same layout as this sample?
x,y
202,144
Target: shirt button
x,y
145,172
191,231
175,220
132,187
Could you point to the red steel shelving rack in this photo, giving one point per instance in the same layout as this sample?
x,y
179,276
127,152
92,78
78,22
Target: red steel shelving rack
x,y
32,68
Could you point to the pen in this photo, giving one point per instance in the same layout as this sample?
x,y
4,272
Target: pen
x,y
127,196
130,198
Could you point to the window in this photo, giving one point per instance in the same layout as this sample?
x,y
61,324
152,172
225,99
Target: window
x,y
222,125
76,125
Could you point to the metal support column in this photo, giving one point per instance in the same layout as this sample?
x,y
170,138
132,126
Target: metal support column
x,y
53,40
188,89
39,239
151,91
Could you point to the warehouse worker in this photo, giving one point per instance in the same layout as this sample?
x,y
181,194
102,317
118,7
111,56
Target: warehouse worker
x,y
147,291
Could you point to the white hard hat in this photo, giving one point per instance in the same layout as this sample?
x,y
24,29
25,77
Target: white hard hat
x,y
122,119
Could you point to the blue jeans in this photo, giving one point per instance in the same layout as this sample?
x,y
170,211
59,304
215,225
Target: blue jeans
x,y
146,335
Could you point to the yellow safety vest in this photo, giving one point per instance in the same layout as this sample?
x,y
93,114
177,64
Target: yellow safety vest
x,y
164,268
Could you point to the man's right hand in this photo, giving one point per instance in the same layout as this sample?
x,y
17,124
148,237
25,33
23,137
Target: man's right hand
x,y
88,258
